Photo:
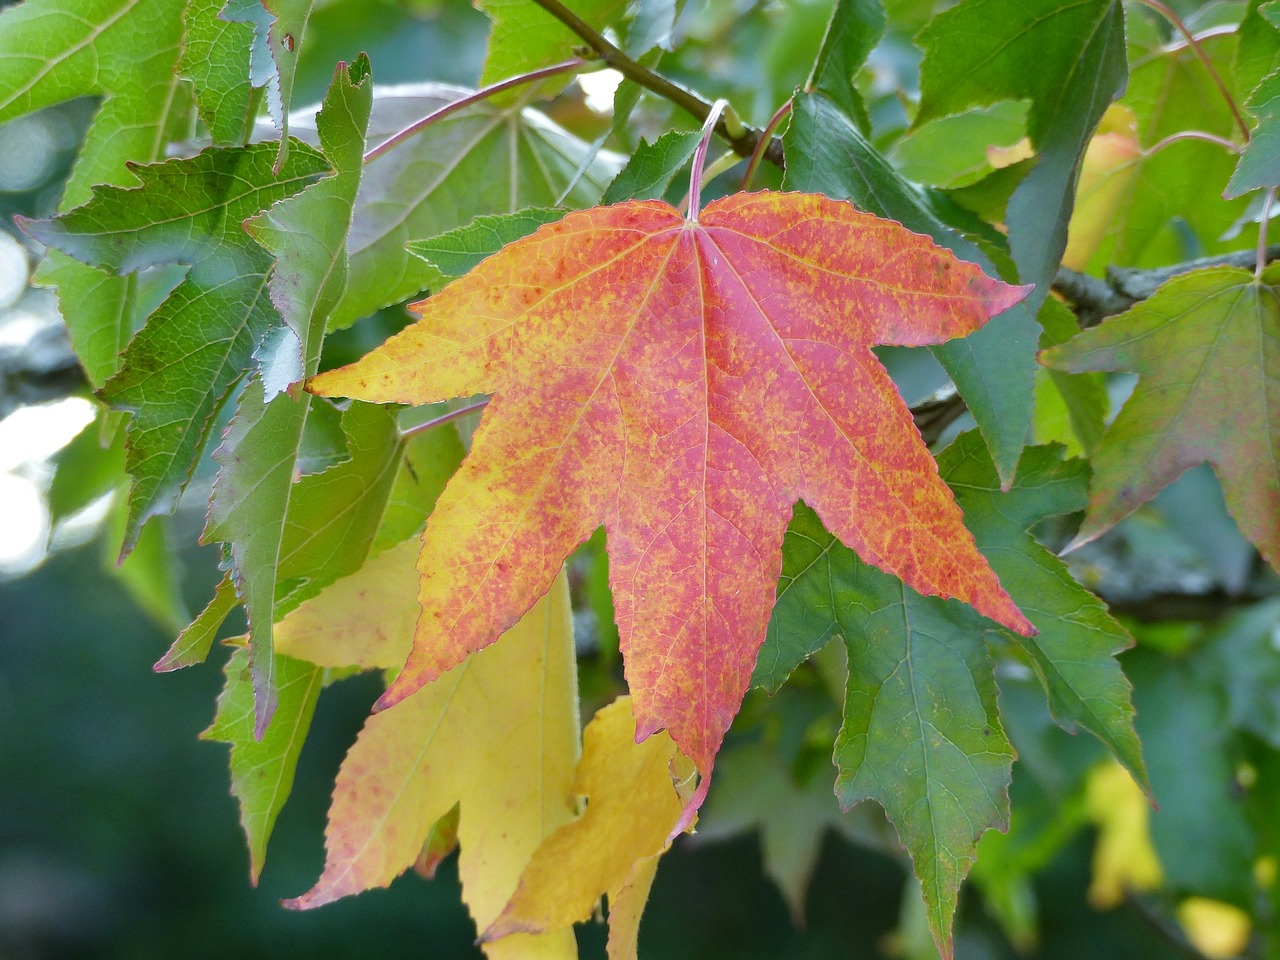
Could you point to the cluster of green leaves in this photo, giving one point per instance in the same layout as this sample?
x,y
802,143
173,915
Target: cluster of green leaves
x,y
215,245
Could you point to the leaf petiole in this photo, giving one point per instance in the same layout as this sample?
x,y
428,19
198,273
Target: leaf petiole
x,y
1262,259
765,138
567,66
444,418
1168,13
700,159
1192,135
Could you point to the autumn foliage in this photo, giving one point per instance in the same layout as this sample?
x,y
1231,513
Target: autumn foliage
x,y
717,387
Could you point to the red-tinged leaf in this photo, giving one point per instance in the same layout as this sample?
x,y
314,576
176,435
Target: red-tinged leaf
x,y
685,384
1207,347
496,739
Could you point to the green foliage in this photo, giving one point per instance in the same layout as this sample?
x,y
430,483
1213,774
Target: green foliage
x,y
214,248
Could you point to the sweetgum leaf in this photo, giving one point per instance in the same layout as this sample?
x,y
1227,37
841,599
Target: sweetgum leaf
x,y
1206,346
652,167
1068,58
684,383
355,620
1079,400
1074,652
1180,187
921,734
476,161
339,517
307,233
1259,164
454,253
277,35
263,765
632,806
856,26
498,736
215,58
193,644
901,644
1257,48
126,52
992,368
199,342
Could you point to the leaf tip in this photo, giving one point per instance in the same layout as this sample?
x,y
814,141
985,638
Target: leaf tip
x,y
1078,541
690,812
1004,295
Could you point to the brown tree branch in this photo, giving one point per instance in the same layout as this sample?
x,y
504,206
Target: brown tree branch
x,y
1092,298
744,139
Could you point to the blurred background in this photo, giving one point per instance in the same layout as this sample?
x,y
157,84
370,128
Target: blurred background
x,y
118,835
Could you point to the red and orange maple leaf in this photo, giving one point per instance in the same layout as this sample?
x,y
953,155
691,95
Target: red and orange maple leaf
x,y
683,383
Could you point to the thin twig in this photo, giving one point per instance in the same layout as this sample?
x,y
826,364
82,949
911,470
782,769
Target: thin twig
x,y
444,418
1192,135
1260,261
1165,11
741,137
1139,284
418,126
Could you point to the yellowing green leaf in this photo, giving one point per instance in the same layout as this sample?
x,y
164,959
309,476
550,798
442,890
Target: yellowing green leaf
x,y
497,735
1206,346
1124,858
364,620
632,807
1109,165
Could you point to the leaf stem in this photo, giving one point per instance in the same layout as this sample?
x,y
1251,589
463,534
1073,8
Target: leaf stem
x,y
766,137
1192,135
700,159
1260,263
567,66
1167,12
737,134
444,418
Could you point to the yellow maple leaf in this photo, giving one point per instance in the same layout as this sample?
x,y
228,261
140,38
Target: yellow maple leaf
x,y
632,806
498,735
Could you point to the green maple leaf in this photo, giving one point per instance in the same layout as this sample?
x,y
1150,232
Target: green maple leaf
x,y
199,342
922,733
273,52
215,58
126,52
1068,58
1259,164
373,499
1206,346
262,767
473,162
307,234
